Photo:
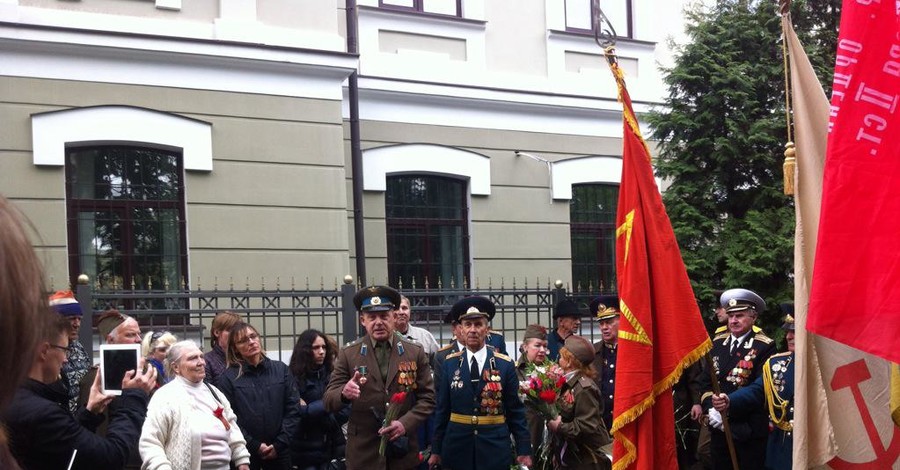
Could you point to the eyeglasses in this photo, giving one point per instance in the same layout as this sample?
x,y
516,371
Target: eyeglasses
x,y
248,338
64,348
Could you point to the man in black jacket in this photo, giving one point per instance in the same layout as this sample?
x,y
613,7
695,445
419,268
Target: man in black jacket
x,y
43,435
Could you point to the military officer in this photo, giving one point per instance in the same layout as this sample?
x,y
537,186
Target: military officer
x,y
478,405
371,370
738,356
722,315
568,320
606,309
774,390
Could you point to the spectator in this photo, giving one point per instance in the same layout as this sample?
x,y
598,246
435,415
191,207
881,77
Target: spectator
x,y
77,362
421,336
218,339
154,348
190,424
43,435
319,438
23,311
263,396
533,351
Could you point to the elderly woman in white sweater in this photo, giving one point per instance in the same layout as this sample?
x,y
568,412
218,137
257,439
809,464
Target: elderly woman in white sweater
x,y
190,424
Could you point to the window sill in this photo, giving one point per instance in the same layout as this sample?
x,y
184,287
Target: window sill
x,y
432,18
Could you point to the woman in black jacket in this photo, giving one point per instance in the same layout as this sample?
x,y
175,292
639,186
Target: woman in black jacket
x,y
319,439
262,394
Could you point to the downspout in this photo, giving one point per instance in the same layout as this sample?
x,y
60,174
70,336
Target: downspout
x,y
355,147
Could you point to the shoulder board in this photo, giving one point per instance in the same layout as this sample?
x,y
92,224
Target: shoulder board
x,y
721,329
784,354
722,335
410,343
757,329
449,346
354,343
456,354
761,337
586,382
502,356
495,332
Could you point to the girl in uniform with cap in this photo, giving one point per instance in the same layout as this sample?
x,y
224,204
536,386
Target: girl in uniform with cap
x,y
579,430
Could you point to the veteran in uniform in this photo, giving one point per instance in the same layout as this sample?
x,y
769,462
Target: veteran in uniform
x,y
606,309
738,356
774,390
478,406
533,351
568,321
367,373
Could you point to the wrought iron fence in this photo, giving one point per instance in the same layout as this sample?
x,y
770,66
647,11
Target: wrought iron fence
x,y
281,315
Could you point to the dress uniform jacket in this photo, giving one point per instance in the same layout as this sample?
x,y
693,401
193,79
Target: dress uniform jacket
x,y
554,344
781,443
479,446
605,365
581,432
496,340
362,429
437,364
735,371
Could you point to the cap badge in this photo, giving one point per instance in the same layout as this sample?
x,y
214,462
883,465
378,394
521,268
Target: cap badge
x,y
473,310
732,302
375,301
600,308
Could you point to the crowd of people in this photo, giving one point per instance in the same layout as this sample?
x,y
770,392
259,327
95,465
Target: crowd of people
x,y
392,399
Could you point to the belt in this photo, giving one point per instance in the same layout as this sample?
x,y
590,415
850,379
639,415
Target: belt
x,y
476,420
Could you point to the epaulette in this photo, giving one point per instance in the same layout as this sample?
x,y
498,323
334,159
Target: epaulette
x,y
786,353
722,328
495,332
353,343
502,356
456,354
449,346
587,382
722,336
763,338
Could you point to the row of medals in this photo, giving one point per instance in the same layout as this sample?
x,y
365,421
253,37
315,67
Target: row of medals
x,y
778,370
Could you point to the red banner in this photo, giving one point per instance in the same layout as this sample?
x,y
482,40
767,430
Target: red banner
x,y
855,296
661,331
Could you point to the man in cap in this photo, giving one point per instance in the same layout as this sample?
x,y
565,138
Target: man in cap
x,y
114,328
738,356
77,360
774,392
568,320
533,351
479,405
605,309
370,372
722,314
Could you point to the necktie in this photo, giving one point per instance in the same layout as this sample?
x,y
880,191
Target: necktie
x,y
734,344
382,349
473,372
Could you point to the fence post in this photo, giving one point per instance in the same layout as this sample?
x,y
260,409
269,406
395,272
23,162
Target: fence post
x,y
349,319
83,295
559,294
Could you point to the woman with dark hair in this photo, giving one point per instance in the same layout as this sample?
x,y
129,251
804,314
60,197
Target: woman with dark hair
x,y
218,340
578,431
263,396
319,438
24,313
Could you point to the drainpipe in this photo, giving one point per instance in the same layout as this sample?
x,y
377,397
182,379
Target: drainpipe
x,y
355,147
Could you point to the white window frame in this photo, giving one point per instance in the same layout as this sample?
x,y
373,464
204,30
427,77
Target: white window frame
x,y
591,169
380,162
53,131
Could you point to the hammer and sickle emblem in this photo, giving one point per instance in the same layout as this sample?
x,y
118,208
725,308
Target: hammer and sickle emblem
x,y
850,376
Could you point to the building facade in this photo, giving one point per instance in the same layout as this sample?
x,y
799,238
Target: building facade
x,y
191,142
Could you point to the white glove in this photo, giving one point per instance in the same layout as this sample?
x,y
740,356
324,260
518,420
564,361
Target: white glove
x,y
715,419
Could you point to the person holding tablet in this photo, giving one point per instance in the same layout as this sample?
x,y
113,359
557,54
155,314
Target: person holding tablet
x,y
43,435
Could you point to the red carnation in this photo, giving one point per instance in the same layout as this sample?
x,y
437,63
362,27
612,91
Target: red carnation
x,y
398,398
218,412
561,382
548,396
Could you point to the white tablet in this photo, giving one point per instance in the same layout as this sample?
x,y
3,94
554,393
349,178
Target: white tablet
x,y
115,361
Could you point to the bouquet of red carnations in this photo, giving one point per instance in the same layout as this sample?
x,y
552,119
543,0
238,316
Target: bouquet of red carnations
x,y
541,386
390,414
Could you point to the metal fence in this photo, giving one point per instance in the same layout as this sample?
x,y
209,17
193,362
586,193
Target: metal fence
x,y
281,315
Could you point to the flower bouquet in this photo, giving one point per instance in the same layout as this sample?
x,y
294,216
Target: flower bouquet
x,y
390,414
541,386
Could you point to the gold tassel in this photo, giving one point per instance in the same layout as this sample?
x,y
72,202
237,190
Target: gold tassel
x,y
790,162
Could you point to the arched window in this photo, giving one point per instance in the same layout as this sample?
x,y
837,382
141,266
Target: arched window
x,y
592,219
427,230
125,216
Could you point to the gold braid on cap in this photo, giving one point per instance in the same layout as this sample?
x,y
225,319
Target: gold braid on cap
x,y
604,310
